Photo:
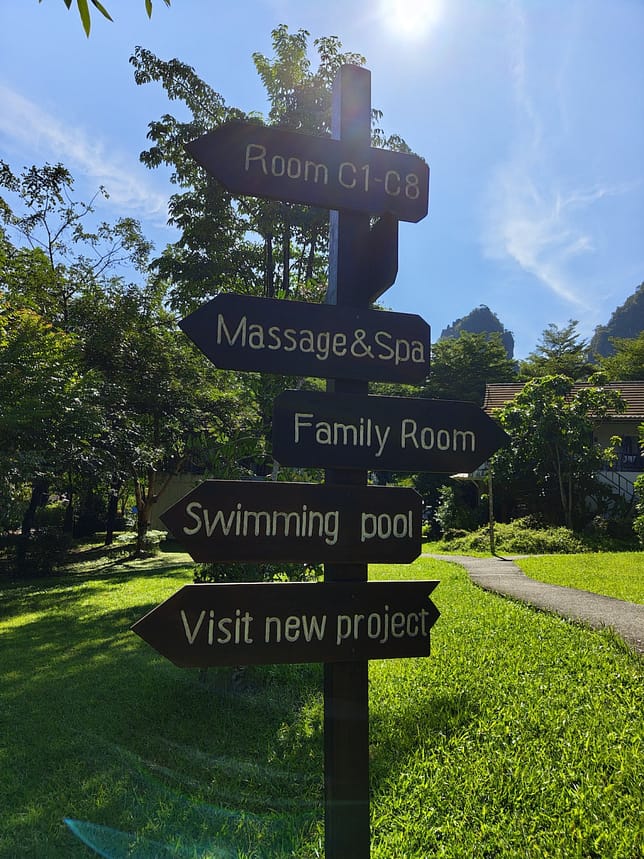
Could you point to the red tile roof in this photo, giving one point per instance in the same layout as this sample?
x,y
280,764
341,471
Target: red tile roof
x,y
498,394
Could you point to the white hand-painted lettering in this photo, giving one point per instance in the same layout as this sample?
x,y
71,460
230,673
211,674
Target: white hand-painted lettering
x,y
238,627
322,345
381,626
294,627
233,629
382,438
432,438
364,433
257,158
352,177
239,522
384,526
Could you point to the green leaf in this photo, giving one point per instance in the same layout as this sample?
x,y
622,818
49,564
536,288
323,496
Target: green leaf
x,y
83,9
148,7
102,10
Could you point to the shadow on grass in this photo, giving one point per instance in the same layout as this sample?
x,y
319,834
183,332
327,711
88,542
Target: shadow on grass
x,y
99,729
397,737
115,570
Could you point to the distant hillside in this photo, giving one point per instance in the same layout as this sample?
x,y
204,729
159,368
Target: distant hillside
x,y
481,320
626,321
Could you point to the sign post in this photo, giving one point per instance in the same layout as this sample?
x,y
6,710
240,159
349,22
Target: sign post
x,y
345,524
346,684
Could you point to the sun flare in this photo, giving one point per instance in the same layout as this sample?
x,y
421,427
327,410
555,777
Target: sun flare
x,y
410,19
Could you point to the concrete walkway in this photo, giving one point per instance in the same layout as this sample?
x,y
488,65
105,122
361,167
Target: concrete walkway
x,y
502,576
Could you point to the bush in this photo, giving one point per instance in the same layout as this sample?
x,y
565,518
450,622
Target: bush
x,y
638,522
41,552
454,512
150,545
50,516
241,572
522,537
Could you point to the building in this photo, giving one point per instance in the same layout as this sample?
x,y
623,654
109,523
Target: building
x,y
630,462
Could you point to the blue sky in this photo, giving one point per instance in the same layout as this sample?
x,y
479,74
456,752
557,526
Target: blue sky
x,y
529,113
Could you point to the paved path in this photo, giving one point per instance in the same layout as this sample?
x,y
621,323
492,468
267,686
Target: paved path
x,y
504,577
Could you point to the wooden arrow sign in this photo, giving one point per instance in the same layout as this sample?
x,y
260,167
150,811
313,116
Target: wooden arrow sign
x,y
394,433
260,161
258,624
245,520
239,332
372,263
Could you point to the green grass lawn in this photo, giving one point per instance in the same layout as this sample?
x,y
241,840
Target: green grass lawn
x,y
521,735
613,574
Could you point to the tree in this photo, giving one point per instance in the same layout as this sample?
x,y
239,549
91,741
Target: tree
x,y
462,366
560,352
63,254
163,402
84,11
62,250
627,362
80,343
49,413
243,244
552,458
99,388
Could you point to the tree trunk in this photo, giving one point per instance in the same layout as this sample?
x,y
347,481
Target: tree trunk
x,y
308,275
286,253
38,490
269,267
140,497
562,489
68,521
112,509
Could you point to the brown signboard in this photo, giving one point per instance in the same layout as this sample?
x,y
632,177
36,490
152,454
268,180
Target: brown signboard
x,y
254,624
239,332
260,161
394,433
255,521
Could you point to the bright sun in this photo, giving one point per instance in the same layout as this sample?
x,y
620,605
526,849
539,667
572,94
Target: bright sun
x,y
410,19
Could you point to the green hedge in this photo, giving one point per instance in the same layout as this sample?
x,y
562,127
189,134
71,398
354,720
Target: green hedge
x,y
522,537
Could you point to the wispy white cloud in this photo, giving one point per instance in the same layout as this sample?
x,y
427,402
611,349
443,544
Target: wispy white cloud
x,y
538,215
28,128
541,226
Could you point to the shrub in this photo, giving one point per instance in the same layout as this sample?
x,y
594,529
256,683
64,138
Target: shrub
x,y
41,552
242,572
453,512
50,516
638,522
151,543
522,536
